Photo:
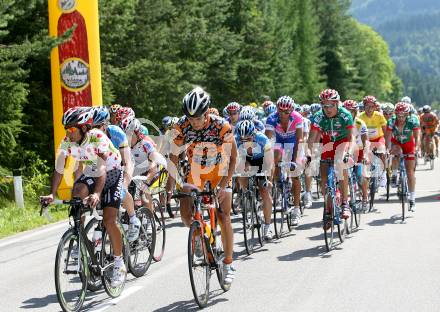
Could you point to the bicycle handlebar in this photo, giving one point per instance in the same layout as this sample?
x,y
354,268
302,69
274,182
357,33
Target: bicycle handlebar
x,y
194,193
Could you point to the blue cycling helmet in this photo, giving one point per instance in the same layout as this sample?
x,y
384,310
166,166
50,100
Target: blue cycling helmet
x,y
167,121
225,112
101,115
247,114
315,107
245,128
272,108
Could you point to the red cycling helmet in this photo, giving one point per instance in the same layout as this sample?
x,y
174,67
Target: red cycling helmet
x,y
285,103
329,95
351,105
123,113
402,108
266,104
369,99
233,107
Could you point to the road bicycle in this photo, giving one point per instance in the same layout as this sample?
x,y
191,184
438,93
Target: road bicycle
x,y
82,265
332,209
158,194
205,248
376,171
402,186
251,211
355,201
282,198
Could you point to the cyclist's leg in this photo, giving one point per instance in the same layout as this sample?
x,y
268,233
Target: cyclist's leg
x,y
111,201
396,150
82,188
431,144
266,196
436,144
186,205
224,217
110,216
278,154
409,149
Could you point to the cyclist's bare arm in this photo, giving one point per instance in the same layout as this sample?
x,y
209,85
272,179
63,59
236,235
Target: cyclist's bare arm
x,y
351,141
172,171
416,134
268,162
232,162
299,142
314,138
128,165
366,145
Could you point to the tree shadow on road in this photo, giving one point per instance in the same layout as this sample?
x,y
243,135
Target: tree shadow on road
x,y
429,198
308,226
191,305
396,219
35,303
314,252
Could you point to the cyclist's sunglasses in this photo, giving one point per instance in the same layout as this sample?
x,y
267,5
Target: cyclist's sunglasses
x,y
401,115
71,129
247,138
286,112
328,106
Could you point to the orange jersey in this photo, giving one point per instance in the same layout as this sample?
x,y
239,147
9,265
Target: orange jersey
x,y
428,122
204,147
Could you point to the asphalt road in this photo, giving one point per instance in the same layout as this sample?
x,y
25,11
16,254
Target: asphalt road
x,y
385,266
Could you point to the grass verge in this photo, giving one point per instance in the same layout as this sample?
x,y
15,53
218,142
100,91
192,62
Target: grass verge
x,y
15,220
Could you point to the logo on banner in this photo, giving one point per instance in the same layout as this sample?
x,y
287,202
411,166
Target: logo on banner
x,y
66,5
75,74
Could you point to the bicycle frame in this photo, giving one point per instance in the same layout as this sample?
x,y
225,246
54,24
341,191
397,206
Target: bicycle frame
x,y
331,188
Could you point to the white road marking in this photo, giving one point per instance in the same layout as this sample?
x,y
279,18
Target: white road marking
x,y
143,282
32,233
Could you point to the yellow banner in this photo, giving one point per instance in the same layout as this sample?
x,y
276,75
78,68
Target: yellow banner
x,y
75,66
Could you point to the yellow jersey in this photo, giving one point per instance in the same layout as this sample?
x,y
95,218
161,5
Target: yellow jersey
x,y
374,124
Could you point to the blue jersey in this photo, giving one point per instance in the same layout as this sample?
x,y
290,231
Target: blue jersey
x,y
273,123
117,136
259,125
254,149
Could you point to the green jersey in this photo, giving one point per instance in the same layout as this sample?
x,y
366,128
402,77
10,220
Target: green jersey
x,y
411,123
333,129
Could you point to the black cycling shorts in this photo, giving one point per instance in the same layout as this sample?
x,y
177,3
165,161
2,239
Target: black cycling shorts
x,y
255,162
112,193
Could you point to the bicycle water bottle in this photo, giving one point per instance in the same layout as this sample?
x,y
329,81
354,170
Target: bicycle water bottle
x,y
97,239
208,233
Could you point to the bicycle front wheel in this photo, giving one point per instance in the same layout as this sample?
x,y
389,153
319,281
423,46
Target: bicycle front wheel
x,y
71,272
219,257
94,283
198,265
403,194
373,185
278,216
108,261
248,224
328,224
160,226
141,250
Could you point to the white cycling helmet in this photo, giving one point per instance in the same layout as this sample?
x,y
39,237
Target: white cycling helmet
x,y
247,114
196,102
406,99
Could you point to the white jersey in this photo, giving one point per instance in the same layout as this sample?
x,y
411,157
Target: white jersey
x,y
140,153
95,143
